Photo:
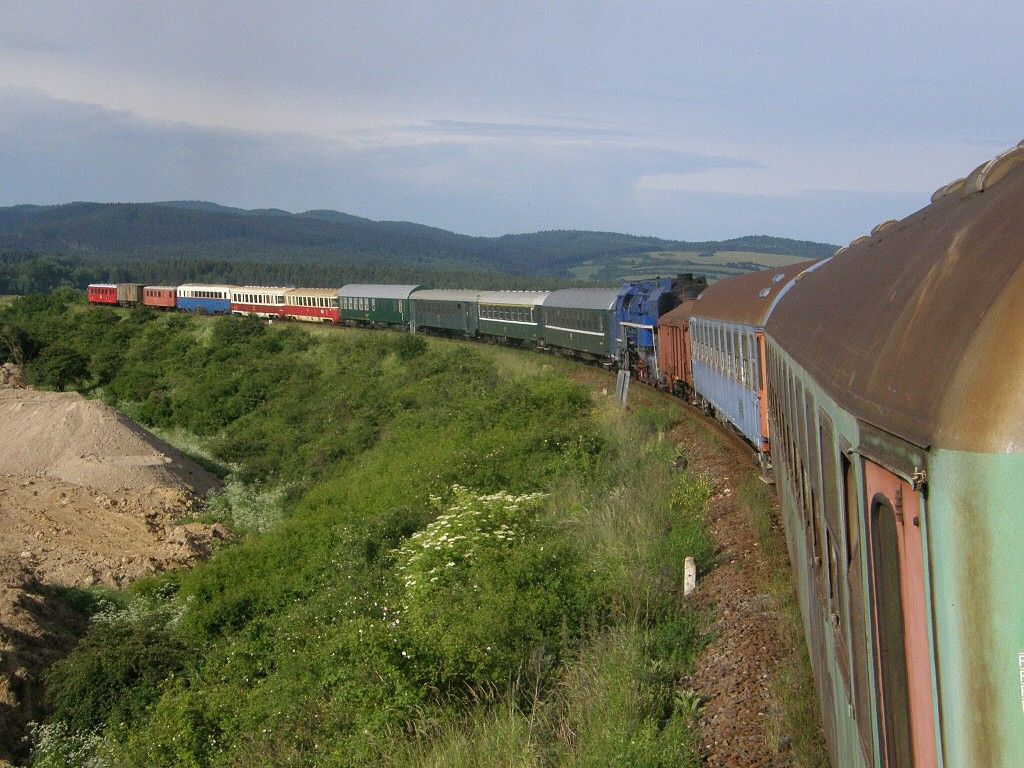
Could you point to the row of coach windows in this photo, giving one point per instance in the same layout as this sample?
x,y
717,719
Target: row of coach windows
x,y
194,293
322,302
439,307
823,482
730,351
359,304
575,319
260,298
509,312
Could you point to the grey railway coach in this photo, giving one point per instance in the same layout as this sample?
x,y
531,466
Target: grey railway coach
x,y
452,311
581,320
511,314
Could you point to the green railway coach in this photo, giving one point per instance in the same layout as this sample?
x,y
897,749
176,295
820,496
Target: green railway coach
x,y
511,314
376,304
581,320
449,311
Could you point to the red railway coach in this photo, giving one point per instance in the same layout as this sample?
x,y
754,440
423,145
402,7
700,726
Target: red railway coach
x,y
102,293
258,300
313,305
674,350
163,296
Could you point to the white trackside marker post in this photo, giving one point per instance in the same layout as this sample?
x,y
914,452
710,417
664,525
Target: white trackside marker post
x,y
689,576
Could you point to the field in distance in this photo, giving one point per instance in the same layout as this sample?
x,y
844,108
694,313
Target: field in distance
x,y
715,265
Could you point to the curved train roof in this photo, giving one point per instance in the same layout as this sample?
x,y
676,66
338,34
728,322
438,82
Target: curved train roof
x,y
583,298
919,328
514,298
374,291
747,299
445,294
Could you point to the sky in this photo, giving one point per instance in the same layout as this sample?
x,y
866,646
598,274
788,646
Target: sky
x,y
686,120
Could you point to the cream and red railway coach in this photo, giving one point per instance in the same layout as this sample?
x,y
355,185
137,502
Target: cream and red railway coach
x,y
258,300
313,305
896,391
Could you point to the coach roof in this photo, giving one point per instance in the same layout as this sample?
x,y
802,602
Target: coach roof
x,y
446,295
917,329
747,299
375,291
583,298
513,298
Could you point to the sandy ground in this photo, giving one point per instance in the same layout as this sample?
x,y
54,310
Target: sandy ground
x,y
86,497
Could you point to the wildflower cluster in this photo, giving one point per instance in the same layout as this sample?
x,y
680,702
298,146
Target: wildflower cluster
x,y
470,525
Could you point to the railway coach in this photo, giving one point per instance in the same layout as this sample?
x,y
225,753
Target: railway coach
x,y
368,304
511,315
205,299
726,326
312,305
452,312
160,296
895,380
582,321
259,300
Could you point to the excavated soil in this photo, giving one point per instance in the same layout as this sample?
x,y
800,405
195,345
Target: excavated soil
x,y
86,497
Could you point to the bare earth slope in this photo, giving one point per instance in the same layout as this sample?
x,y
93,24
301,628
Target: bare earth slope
x,y
86,497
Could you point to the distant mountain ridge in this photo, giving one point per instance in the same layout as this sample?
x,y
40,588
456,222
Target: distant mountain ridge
x,y
204,230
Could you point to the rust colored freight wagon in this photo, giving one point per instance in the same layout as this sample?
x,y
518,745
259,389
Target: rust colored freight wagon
x,y
674,350
163,296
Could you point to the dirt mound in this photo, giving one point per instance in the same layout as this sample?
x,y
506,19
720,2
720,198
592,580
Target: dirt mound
x,y
86,497
83,442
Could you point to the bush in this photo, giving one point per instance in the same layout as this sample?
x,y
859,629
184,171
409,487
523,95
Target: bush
x,y
486,586
58,367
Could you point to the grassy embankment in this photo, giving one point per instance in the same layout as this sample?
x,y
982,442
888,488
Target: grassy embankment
x,y
451,556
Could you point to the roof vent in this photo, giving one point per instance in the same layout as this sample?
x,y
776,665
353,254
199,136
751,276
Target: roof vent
x,y
841,249
953,186
987,174
883,226
779,277
858,241
763,293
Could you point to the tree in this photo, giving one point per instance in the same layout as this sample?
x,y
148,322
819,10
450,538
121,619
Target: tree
x,y
58,366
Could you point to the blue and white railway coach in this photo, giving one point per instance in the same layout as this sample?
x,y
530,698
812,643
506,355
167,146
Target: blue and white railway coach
x,y
205,299
511,314
727,335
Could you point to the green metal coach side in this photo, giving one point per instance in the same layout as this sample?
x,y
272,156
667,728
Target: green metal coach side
x,y
451,311
511,314
376,304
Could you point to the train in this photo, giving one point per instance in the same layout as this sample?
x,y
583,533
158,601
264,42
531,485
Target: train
x,y
881,389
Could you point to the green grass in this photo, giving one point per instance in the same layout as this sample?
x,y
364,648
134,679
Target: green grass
x,y
400,594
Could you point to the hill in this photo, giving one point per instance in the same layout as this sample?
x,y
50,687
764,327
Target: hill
x,y
203,231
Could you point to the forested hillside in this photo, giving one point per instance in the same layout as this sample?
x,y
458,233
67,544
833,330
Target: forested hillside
x,y
199,232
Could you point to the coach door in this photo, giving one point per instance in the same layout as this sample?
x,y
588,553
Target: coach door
x,y
903,667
